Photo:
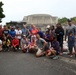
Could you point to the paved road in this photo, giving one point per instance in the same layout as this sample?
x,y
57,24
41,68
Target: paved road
x,y
17,63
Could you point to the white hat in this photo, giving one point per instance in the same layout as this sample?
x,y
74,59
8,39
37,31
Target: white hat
x,y
48,26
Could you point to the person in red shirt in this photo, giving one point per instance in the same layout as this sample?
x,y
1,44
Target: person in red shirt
x,y
34,30
15,43
1,32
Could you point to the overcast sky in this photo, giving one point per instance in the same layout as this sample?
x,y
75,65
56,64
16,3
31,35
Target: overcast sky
x,y
15,10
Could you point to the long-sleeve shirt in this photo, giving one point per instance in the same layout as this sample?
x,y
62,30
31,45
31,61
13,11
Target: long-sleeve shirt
x,y
15,42
56,46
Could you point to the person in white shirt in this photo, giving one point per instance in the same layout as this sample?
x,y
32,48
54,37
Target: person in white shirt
x,y
18,33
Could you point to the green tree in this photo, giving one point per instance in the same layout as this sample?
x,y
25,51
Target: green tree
x,y
1,12
73,20
63,20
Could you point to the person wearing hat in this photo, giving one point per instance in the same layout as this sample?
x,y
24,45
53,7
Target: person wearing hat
x,y
24,44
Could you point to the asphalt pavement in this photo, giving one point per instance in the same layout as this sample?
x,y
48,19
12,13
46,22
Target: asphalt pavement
x,y
18,63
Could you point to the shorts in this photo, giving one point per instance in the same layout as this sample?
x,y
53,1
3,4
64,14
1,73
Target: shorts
x,y
39,51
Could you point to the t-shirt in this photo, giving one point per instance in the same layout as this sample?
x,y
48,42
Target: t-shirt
x,y
5,32
72,29
34,31
18,32
25,31
41,34
40,42
56,46
12,33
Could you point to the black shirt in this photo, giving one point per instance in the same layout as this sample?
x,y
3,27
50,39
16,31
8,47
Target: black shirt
x,y
5,32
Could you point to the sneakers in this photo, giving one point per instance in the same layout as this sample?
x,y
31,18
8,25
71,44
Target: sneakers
x,y
56,57
71,56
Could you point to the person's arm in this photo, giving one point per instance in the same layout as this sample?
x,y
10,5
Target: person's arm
x,y
17,44
44,45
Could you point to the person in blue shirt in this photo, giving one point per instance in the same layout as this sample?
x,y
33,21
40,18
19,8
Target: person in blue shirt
x,y
71,40
25,31
12,32
41,33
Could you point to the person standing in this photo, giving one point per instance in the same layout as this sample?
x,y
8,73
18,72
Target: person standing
x,y
70,28
59,34
71,40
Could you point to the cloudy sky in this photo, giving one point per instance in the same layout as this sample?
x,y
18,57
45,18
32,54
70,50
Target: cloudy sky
x,y
15,10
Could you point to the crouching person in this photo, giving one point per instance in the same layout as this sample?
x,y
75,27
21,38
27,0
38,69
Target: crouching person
x,y
15,43
32,45
41,46
24,44
56,48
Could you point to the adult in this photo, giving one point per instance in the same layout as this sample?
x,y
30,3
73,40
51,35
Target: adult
x,y
18,34
5,31
34,30
59,34
24,44
25,31
41,46
70,28
40,32
52,32
12,32
1,32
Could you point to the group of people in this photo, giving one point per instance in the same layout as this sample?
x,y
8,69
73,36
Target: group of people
x,y
34,40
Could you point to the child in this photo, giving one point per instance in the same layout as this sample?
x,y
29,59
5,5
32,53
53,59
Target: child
x,y
71,41
0,45
15,43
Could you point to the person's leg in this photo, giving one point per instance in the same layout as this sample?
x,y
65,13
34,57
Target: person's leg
x,y
75,50
0,47
39,53
49,53
53,52
17,48
70,50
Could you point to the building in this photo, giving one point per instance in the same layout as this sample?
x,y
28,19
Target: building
x,y
40,19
